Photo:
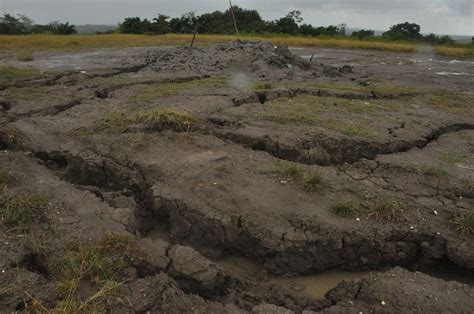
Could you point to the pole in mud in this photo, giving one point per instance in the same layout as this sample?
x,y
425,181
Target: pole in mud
x,y
194,36
233,17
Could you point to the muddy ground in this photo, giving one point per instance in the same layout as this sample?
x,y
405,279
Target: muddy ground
x,y
239,177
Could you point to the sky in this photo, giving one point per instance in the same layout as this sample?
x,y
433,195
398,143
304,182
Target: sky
x,y
454,17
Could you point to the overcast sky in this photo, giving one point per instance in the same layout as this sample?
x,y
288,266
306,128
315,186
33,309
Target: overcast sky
x,y
439,16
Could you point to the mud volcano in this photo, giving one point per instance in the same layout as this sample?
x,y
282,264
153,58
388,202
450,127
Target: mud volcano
x,y
232,178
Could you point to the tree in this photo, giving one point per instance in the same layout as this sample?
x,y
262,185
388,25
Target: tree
x,y
185,24
287,24
404,31
161,25
363,34
10,25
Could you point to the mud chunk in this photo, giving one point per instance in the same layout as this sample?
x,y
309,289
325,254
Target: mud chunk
x,y
194,270
270,309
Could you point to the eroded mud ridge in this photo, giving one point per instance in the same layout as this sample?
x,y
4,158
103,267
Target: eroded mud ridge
x,y
236,178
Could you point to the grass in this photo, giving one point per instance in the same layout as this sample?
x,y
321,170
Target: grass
x,y
156,120
99,264
32,43
25,56
4,177
386,208
312,181
151,92
167,119
21,211
9,73
464,223
347,208
451,157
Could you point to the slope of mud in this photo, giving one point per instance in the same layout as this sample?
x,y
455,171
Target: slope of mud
x,y
227,179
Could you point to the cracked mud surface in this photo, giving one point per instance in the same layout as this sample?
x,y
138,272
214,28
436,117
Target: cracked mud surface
x,y
240,172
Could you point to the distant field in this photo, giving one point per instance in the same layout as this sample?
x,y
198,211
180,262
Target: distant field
x,y
24,46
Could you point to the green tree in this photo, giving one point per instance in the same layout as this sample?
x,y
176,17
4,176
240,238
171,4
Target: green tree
x,y
363,34
404,31
161,25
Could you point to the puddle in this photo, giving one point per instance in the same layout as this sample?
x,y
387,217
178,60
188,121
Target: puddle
x,y
444,73
312,286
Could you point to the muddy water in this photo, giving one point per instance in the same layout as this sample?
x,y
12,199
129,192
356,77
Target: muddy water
x,y
312,286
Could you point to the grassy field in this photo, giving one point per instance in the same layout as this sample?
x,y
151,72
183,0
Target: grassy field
x,y
23,46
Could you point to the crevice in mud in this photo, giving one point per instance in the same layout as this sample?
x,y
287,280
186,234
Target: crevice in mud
x,y
273,94
326,151
35,263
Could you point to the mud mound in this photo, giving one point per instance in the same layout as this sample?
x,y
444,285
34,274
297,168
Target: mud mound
x,y
247,56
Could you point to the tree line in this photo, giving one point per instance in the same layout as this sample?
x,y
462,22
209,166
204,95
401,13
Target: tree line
x,y
218,22
251,22
23,25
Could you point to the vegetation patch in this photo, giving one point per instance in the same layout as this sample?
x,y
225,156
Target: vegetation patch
x,y
312,181
348,208
386,208
21,211
154,120
150,92
464,223
4,177
9,73
451,157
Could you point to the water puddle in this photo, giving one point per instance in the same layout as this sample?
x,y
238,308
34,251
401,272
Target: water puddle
x,y
444,73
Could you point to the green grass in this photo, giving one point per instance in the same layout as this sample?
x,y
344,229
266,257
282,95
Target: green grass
x,y
387,209
451,157
155,120
347,208
9,73
435,171
21,211
97,263
5,177
314,181
147,93
464,223
19,44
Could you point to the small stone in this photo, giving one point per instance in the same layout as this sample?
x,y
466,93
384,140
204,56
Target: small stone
x,y
383,303
435,212
357,219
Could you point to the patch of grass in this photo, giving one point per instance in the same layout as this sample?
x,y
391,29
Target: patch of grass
x,y
354,129
435,172
82,132
386,208
77,42
4,177
9,73
451,157
464,223
99,264
347,208
156,120
117,121
151,92
21,211
167,119
25,56
314,181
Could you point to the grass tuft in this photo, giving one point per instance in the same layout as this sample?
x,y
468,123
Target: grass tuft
x,y
347,208
167,119
4,177
20,211
385,208
464,223
10,139
314,181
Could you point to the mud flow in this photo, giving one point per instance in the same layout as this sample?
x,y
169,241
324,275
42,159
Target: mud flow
x,y
237,178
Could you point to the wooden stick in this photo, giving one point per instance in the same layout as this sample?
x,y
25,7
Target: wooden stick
x,y
311,59
233,17
194,35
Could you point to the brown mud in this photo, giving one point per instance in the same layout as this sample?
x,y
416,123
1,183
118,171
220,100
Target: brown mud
x,y
238,178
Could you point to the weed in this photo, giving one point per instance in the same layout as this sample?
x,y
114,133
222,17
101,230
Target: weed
x,y
347,208
451,157
314,181
97,263
167,119
8,73
464,223
353,129
117,121
435,172
4,177
82,132
293,171
25,56
385,208
20,211
10,139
